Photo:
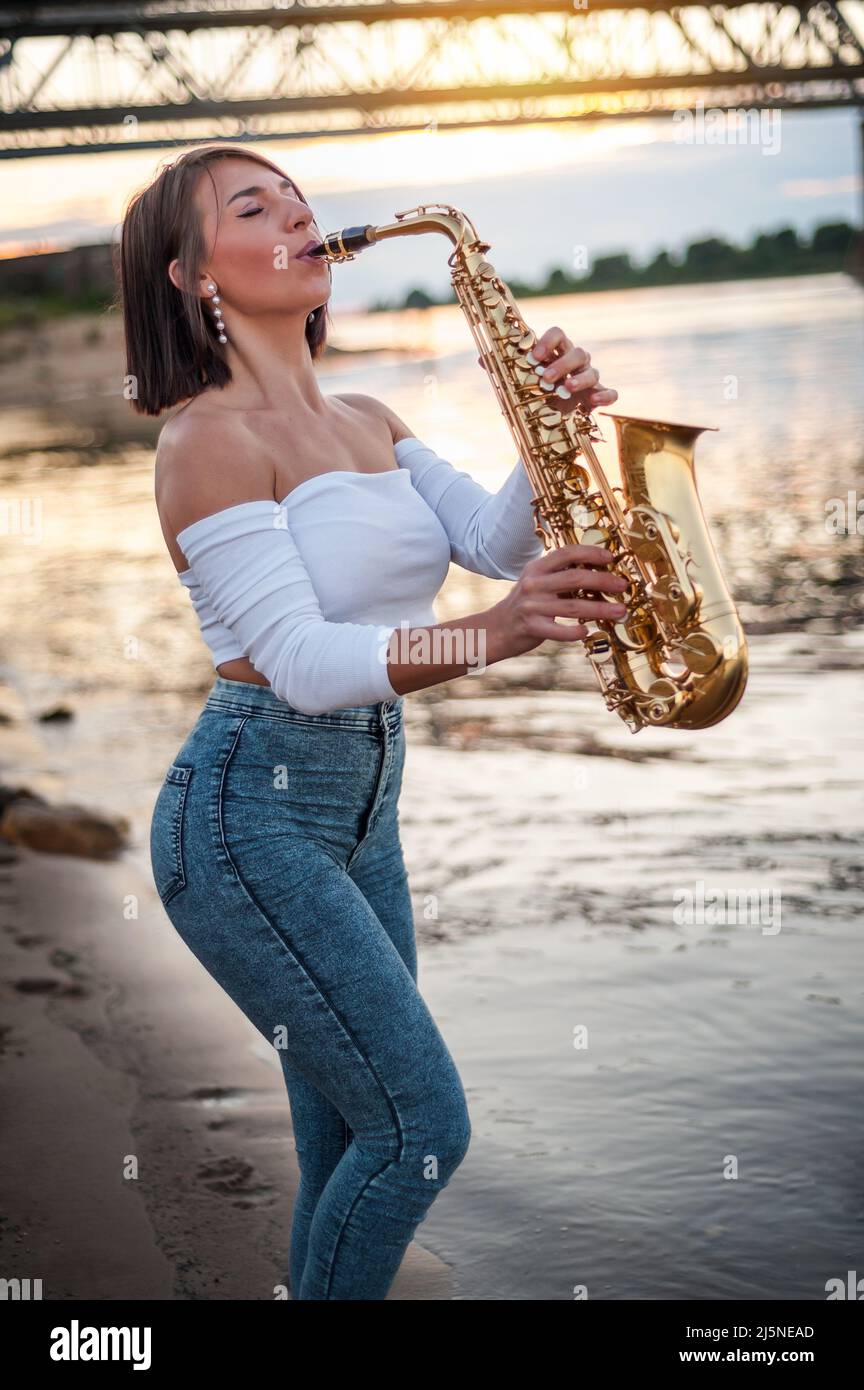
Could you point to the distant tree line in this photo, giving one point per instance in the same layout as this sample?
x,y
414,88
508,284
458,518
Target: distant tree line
x,y
81,279
831,248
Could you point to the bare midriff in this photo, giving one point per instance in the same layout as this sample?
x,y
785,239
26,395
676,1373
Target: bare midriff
x,y
241,670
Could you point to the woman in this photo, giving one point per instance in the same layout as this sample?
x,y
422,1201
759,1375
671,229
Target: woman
x,y
313,533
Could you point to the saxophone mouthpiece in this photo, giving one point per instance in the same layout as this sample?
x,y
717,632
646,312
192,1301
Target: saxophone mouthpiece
x,y
341,246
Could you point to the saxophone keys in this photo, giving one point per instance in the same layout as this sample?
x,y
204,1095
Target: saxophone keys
x,y
560,390
700,653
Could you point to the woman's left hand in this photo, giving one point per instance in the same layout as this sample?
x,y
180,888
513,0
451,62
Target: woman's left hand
x,y
565,364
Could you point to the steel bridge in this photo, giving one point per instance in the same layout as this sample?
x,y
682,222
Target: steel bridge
x,y
81,76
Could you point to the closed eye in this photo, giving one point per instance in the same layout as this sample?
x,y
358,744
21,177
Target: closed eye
x,y
251,212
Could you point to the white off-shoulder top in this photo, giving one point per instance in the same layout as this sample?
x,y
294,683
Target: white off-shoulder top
x,y
311,588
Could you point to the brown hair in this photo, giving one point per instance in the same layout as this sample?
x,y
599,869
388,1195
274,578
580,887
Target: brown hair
x,y
172,346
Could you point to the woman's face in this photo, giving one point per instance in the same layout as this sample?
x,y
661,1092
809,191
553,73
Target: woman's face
x,y
262,224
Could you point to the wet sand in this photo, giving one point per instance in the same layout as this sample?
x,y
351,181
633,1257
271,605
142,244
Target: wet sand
x,y
147,1136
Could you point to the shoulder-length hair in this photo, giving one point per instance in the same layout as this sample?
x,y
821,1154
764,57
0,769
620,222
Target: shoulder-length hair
x,y
172,347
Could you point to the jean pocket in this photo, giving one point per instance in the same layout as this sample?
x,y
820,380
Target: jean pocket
x,y
166,833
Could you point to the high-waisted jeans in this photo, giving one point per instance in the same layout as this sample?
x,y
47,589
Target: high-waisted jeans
x,y
276,854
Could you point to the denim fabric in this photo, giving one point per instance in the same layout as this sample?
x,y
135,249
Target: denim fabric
x,y
275,851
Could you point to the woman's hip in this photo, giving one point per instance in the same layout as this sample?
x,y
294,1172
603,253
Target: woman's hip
x,y
259,789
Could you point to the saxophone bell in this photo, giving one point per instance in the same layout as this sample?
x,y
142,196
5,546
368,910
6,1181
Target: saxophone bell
x,y
705,650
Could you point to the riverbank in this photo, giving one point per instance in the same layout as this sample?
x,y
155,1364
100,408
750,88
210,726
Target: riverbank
x,y
147,1132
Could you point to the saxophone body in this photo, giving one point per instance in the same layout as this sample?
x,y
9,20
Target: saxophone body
x,y
679,657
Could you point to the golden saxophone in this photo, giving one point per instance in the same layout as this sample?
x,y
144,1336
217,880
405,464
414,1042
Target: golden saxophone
x,y
679,657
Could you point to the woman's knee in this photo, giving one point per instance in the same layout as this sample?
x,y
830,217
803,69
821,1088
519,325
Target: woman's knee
x,y
446,1136
429,1136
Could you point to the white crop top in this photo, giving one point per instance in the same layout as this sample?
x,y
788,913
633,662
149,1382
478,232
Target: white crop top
x,y
310,589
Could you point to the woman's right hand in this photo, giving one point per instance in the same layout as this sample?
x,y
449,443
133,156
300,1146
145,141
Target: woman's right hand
x,y
526,616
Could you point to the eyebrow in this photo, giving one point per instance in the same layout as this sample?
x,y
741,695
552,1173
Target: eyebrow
x,y
257,188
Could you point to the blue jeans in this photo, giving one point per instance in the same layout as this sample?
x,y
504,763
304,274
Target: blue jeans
x,y
275,851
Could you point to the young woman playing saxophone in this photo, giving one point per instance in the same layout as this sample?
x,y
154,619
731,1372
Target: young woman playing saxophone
x,y
309,529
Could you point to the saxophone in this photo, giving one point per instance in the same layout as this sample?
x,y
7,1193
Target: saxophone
x,y
679,657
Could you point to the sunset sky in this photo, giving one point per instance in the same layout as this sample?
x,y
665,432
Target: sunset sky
x,y
535,192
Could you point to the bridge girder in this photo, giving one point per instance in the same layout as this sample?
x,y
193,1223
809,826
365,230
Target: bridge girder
x,y
81,77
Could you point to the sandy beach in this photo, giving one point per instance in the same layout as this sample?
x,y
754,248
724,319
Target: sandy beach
x,y
147,1135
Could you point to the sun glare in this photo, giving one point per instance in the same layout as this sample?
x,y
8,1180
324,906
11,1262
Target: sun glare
x,y
75,192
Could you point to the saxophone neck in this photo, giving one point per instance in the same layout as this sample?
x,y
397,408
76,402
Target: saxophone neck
x,y
428,217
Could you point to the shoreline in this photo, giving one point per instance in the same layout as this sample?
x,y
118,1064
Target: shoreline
x,y
29,311
120,1053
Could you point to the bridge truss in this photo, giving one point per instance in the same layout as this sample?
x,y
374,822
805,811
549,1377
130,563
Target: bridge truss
x,y
79,75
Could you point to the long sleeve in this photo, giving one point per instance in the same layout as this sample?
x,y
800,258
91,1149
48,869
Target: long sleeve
x,y
491,533
223,644
248,565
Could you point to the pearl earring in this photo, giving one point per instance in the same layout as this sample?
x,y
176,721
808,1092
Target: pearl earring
x,y
217,312
311,317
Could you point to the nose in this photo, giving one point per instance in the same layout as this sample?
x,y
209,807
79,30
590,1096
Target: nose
x,y
299,214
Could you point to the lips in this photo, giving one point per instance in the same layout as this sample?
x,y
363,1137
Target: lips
x,y
307,247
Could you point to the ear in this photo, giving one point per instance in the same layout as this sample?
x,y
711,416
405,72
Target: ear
x,y
174,275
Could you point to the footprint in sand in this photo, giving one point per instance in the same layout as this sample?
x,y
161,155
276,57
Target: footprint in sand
x,y
234,1178
36,984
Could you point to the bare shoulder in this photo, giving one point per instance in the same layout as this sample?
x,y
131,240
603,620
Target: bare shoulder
x,y
207,460
380,411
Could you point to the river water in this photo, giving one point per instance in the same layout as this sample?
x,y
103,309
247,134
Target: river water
x,y
663,1104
